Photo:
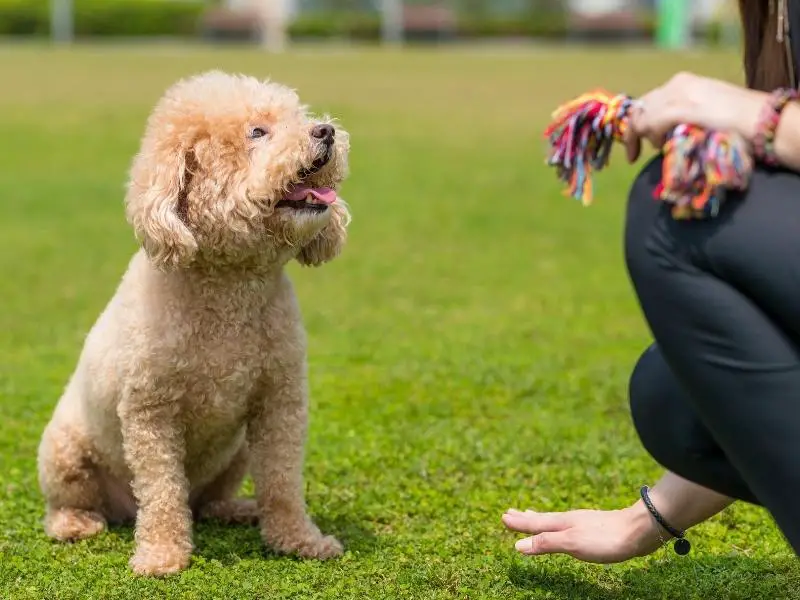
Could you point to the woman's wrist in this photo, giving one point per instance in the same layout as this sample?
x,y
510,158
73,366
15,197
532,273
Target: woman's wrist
x,y
738,110
644,535
746,117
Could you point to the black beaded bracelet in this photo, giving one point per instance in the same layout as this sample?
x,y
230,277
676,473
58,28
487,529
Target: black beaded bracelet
x,y
682,545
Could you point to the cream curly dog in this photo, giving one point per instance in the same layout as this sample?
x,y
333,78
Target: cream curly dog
x,y
195,372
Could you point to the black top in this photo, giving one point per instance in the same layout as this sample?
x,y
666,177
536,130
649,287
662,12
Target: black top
x,y
794,34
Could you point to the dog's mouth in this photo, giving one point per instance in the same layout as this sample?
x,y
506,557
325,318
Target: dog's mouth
x,y
304,197
301,196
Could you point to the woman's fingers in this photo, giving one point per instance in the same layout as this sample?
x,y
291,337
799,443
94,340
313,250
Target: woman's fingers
x,y
634,134
533,522
557,542
640,127
633,146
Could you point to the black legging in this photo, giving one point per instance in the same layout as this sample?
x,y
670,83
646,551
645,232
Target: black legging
x,y
716,400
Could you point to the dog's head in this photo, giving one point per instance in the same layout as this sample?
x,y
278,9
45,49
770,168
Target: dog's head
x,y
232,169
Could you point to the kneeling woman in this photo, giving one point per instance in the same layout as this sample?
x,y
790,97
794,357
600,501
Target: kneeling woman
x,y
716,398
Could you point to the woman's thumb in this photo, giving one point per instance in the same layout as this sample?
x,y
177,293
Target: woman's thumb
x,y
633,145
633,136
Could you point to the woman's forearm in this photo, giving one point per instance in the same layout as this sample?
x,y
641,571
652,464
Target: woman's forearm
x,y
682,503
685,504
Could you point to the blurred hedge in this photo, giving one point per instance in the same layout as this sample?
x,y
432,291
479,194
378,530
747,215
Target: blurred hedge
x,y
544,24
361,26
183,18
320,25
106,17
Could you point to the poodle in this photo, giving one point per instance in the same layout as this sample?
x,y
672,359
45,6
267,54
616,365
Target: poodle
x,y
195,373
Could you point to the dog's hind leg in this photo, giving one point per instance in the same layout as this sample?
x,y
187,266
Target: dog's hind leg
x,y
218,501
71,484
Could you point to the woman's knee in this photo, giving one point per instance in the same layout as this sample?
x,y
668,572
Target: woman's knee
x,y
655,401
644,394
673,435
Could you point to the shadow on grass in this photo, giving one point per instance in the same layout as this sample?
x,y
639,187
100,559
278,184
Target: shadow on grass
x,y
228,544
728,578
231,543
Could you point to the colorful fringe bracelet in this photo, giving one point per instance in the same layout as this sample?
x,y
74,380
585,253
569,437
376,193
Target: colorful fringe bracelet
x,y
698,166
769,119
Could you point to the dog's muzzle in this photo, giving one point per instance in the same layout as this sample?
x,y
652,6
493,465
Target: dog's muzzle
x,y
306,197
326,136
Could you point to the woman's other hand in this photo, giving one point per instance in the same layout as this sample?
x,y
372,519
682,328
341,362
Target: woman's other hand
x,y
693,99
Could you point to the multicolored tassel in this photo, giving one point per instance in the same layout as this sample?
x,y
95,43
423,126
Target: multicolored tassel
x,y
698,166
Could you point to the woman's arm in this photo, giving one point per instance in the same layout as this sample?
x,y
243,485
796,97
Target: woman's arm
x,y
616,535
741,112
713,104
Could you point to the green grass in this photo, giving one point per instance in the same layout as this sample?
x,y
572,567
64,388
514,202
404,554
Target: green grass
x,y
469,352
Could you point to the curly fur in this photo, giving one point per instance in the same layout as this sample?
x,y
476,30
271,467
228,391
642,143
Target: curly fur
x,y
195,372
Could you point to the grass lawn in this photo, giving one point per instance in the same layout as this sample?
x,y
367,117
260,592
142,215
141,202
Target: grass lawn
x,y
469,352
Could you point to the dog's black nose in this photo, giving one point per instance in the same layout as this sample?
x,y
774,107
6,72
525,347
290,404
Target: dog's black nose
x,y
324,132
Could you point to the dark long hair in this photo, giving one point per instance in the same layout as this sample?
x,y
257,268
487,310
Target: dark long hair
x,y
766,66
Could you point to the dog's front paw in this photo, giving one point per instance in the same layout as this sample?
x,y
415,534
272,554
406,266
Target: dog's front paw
x,y
309,544
157,560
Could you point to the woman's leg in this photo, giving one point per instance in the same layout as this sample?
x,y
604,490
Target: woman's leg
x,y
722,298
673,435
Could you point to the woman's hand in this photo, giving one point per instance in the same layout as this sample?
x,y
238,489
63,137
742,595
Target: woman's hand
x,y
693,99
590,535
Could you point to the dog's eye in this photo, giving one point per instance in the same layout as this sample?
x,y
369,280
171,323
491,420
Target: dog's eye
x,y
257,132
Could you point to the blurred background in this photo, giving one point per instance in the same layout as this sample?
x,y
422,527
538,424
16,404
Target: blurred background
x,y
274,23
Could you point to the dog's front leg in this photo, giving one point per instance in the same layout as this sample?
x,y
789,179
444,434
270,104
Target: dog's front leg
x,y
276,436
153,441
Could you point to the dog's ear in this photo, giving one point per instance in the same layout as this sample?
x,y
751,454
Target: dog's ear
x,y
156,206
329,242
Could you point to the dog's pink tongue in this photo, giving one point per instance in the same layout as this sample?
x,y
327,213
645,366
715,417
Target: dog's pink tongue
x,y
301,192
